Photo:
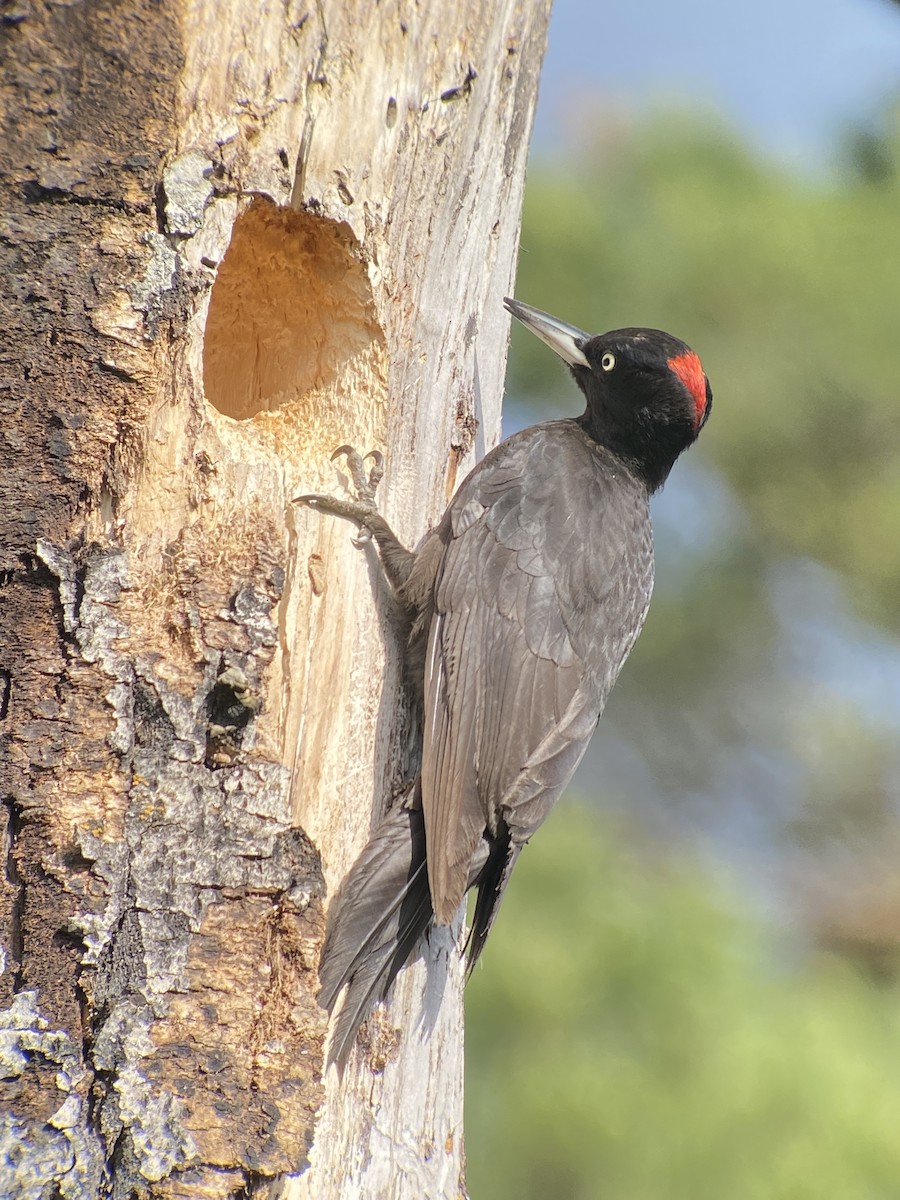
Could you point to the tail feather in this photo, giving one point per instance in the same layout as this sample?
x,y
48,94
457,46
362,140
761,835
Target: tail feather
x,y
381,910
491,882
376,974
384,906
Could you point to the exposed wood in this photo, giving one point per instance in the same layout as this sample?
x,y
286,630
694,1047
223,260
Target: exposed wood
x,y
236,236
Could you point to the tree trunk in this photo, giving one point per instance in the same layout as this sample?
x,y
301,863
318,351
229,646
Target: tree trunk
x,y
235,236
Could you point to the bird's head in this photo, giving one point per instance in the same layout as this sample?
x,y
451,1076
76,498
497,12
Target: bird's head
x,y
647,394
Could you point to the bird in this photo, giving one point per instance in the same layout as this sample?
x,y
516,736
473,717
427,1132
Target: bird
x,y
521,607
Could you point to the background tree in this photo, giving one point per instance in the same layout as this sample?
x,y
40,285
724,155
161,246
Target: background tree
x,y
699,989
233,238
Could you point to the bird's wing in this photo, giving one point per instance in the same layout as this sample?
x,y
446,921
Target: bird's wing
x,y
536,604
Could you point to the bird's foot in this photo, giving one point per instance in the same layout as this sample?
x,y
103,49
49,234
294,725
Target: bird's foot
x,y
366,485
363,508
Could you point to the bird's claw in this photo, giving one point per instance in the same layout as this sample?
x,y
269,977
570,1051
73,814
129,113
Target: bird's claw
x,y
364,484
363,507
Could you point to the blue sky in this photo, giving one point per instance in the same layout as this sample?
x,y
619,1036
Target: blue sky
x,y
790,73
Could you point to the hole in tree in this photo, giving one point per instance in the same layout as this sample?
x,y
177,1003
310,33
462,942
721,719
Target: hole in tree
x,y
291,306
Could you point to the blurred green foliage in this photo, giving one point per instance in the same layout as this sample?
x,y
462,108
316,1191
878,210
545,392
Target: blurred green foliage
x,y
787,288
632,1036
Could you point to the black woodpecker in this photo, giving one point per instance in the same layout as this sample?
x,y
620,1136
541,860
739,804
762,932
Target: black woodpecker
x,y
523,604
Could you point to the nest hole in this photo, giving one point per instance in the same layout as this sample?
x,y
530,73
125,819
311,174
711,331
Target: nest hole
x,y
291,305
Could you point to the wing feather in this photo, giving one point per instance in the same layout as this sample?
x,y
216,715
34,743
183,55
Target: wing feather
x,y
541,590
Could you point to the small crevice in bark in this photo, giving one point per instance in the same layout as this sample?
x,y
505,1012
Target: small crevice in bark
x,y
17,890
34,192
231,705
64,580
117,372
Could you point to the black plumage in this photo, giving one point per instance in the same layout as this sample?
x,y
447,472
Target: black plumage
x,y
523,605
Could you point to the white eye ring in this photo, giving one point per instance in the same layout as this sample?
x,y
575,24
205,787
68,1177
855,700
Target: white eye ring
x,y
608,361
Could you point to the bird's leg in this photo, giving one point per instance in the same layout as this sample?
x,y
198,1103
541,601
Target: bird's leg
x,y
395,558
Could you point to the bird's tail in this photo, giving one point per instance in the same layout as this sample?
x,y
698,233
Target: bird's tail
x,y
377,916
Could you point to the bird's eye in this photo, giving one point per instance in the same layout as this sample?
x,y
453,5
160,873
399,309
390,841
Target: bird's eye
x,y
608,361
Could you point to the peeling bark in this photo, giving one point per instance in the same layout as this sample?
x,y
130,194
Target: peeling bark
x,y
234,236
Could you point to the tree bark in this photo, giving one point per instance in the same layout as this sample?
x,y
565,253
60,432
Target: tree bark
x,y
234,236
